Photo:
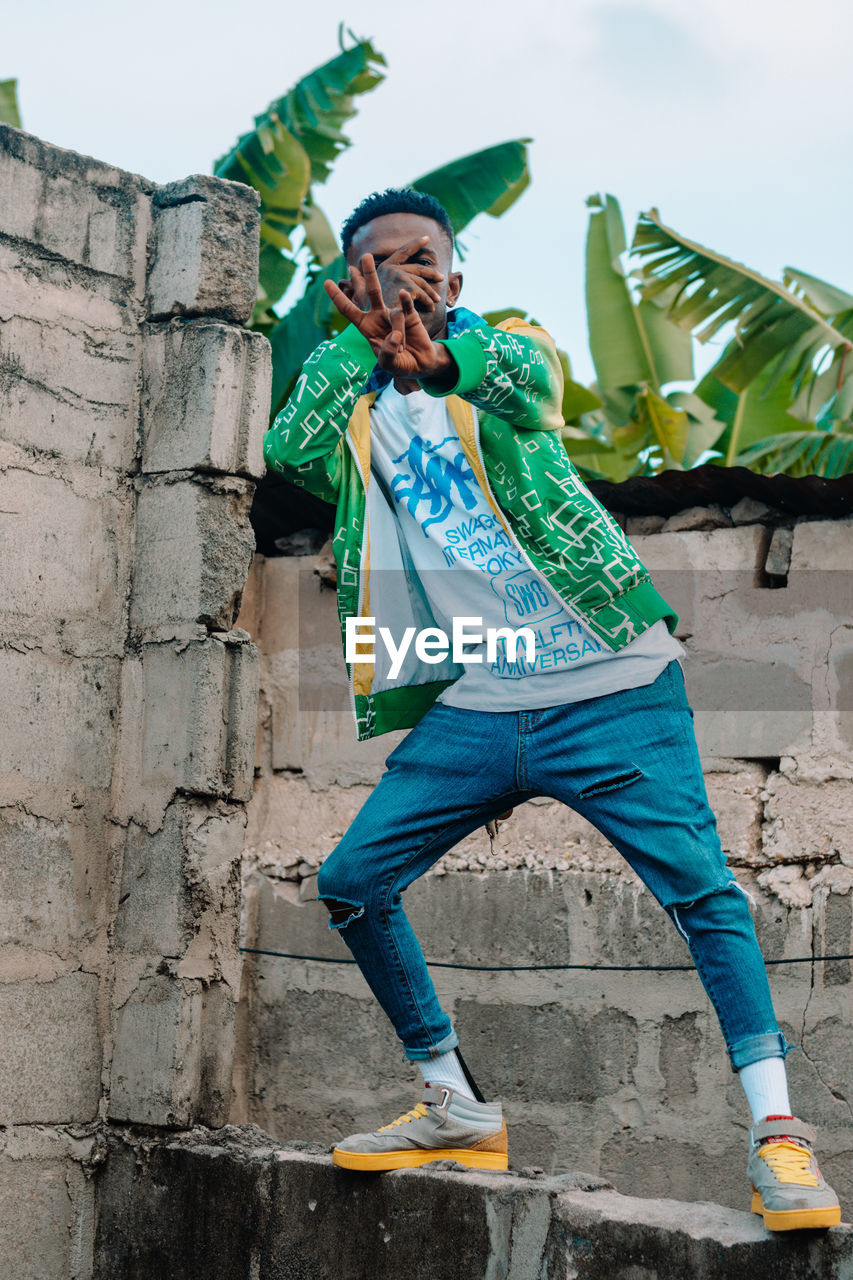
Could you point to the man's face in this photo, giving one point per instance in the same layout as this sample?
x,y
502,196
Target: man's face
x,y
384,236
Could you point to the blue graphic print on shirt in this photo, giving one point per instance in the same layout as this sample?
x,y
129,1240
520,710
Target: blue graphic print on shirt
x,y
432,478
427,477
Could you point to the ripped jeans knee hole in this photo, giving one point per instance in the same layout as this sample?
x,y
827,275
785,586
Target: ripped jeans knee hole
x,y
341,912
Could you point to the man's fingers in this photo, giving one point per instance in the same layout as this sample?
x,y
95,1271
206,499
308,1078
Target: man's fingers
x,y
424,272
427,296
398,326
406,250
371,282
345,305
410,312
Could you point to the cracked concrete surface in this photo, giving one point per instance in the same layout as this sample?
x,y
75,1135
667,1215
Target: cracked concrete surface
x,y
127,713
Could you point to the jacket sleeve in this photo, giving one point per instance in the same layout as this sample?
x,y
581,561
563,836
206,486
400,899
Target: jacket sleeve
x,y
511,371
305,441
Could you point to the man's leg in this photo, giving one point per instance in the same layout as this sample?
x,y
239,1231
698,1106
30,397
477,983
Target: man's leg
x,y
633,771
451,774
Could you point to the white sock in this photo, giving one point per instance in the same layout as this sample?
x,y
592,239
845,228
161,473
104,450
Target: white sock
x,y
765,1084
445,1070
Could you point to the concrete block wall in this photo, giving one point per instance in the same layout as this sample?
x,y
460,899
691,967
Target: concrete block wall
x,y
132,405
612,1070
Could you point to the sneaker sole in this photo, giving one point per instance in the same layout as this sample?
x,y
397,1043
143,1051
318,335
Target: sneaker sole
x,y
377,1161
795,1219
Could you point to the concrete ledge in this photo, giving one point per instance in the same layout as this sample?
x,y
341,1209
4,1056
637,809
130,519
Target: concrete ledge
x,y
231,1204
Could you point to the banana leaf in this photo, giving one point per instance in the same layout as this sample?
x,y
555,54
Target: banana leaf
x,y
295,141
825,298
275,272
801,453
754,414
704,428
630,344
311,321
9,110
487,181
708,291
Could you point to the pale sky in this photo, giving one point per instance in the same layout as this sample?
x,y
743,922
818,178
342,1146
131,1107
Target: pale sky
x,y
733,117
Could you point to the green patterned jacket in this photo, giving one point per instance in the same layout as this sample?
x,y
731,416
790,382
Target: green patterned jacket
x,y
506,408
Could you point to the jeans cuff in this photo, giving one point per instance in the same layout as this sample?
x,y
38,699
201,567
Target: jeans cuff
x,y
432,1051
771,1044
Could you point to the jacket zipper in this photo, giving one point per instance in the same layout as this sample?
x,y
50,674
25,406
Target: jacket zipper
x,y
361,575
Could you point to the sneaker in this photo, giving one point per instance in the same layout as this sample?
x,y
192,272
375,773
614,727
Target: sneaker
x,y
787,1188
444,1125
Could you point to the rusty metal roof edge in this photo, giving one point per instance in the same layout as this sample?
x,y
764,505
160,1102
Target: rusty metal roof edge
x,y
711,485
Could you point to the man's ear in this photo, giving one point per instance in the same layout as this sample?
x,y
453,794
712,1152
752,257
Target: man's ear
x,y
454,287
345,287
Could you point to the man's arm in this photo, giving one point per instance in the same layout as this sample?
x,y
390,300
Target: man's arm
x,y
304,442
511,371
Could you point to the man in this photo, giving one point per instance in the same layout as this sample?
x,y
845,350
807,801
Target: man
x,y
437,437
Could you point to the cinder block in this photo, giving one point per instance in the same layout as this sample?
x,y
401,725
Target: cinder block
x,y
747,708
69,364
64,564
56,718
808,821
155,1068
736,801
822,545
152,911
207,238
206,398
213,842
188,724
47,1216
80,209
194,545
180,887
293,1034
173,1054
305,682
51,1050
55,877
551,1053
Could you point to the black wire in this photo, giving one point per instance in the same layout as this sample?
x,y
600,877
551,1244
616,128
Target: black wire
x,y
530,968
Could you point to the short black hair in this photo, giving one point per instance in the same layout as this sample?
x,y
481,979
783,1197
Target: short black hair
x,y
395,200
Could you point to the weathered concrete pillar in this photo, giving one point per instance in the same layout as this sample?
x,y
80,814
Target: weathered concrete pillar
x,y
132,405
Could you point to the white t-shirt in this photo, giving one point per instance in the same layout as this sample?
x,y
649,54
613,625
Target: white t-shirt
x,y
469,567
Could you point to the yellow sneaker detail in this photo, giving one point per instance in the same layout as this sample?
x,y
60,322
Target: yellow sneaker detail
x,y
444,1125
788,1190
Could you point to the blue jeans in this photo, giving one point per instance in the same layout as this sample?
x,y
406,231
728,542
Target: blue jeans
x,y
627,762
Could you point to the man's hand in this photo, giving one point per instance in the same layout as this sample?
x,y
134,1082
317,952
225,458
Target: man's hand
x,y
409,351
399,340
396,272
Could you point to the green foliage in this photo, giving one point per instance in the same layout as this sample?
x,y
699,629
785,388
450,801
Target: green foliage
x,y
636,352
802,453
292,148
788,365
299,136
488,181
706,291
9,110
